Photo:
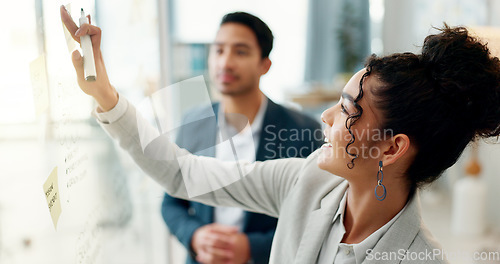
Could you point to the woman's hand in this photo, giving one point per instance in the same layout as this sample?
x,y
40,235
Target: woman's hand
x,y
101,89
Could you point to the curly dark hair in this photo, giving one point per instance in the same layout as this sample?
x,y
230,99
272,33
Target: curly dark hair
x,y
441,99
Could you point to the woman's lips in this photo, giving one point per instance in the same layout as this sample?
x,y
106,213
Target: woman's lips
x,y
327,144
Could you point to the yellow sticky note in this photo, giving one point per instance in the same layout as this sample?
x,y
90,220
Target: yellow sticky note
x,y
70,42
51,190
39,82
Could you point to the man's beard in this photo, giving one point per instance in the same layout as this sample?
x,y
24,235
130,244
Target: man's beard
x,y
237,92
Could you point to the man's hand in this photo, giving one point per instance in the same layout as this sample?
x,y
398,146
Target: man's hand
x,y
101,89
215,243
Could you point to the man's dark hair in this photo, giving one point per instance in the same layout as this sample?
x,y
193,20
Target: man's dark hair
x,y
261,30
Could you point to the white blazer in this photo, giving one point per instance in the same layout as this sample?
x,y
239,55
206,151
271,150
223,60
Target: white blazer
x,y
304,197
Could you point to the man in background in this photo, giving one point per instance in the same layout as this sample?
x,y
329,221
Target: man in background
x,y
238,58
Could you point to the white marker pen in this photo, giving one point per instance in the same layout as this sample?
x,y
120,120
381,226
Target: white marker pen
x,y
88,52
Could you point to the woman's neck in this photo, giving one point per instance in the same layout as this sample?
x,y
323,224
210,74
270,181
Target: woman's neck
x,y
364,214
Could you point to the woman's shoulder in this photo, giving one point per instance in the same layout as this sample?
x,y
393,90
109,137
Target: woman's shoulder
x,y
426,248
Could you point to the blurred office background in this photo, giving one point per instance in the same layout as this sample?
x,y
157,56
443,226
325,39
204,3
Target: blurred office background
x,y
110,209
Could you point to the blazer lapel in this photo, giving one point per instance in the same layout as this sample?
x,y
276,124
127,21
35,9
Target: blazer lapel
x,y
401,234
318,224
270,126
204,143
264,151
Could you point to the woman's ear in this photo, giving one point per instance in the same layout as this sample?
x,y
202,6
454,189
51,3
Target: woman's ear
x,y
396,148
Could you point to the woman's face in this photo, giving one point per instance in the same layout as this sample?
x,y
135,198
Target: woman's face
x,y
368,137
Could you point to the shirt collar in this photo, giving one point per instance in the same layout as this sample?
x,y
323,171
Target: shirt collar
x,y
256,125
341,209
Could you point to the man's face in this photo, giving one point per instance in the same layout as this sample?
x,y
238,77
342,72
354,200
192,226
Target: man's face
x,y
235,62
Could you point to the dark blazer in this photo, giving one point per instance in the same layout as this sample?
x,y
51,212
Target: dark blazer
x,y
285,133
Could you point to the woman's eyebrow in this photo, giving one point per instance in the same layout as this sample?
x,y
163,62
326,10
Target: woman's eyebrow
x,y
347,97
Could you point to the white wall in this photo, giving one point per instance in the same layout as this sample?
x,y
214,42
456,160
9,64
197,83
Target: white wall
x,y
397,34
406,23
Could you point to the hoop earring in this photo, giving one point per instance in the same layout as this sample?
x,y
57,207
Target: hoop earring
x,y
380,178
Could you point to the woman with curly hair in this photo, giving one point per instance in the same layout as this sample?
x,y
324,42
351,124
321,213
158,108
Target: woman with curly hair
x,y
401,121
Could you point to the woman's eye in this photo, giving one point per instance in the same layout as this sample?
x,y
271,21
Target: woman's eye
x,y
343,109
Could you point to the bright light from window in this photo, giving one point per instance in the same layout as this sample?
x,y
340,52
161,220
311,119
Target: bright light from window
x,y
17,49
377,10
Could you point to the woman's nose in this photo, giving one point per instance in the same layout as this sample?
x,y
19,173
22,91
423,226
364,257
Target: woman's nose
x,y
327,116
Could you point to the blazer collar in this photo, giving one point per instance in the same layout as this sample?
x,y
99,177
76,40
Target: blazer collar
x,y
401,234
273,121
271,117
318,224
208,138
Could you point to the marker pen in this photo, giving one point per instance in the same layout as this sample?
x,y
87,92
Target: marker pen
x,y
88,53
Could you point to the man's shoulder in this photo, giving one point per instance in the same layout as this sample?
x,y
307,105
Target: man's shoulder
x,y
200,112
295,118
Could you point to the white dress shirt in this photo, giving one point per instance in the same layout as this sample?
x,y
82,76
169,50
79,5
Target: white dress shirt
x,y
245,143
333,251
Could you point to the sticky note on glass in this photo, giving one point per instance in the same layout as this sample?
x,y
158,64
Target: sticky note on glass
x,y
39,82
51,190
